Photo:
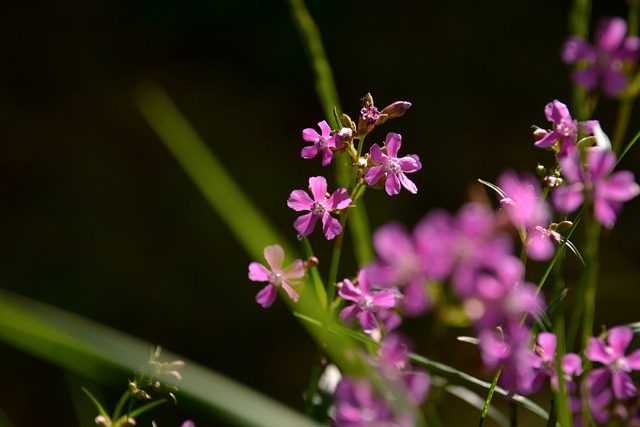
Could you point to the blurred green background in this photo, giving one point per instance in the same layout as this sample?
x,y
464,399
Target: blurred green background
x,y
97,217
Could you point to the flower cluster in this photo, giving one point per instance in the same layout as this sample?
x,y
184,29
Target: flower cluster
x,y
472,262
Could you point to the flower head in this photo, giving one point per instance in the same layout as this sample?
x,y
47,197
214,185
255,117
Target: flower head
x,y
321,143
605,60
617,364
564,134
275,275
366,301
319,207
391,166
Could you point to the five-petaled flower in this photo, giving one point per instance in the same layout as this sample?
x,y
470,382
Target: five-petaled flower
x,y
321,143
391,166
276,275
366,301
617,364
605,59
319,207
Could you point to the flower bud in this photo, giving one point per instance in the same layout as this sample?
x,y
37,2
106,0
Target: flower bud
x,y
396,109
539,133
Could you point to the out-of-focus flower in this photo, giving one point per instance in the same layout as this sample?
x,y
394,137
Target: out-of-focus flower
x,y
605,59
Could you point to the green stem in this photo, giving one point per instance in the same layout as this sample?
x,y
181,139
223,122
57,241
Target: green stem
x,y
592,238
622,124
579,26
487,402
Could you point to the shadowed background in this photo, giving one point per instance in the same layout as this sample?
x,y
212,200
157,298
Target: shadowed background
x,y
99,219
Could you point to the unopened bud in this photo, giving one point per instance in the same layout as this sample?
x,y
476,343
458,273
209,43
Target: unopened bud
x,y
563,226
539,133
101,420
312,262
396,109
551,181
541,170
345,134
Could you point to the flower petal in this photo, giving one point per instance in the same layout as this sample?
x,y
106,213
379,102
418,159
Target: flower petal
x,y
299,200
274,255
330,226
338,200
392,185
266,296
258,272
622,386
290,291
310,135
309,152
376,154
407,183
294,271
610,33
305,224
619,339
325,129
373,175
318,186
393,141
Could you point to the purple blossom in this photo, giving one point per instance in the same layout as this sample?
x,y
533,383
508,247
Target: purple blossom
x,y
366,301
521,200
617,364
608,191
509,348
539,243
543,361
605,60
395,366
276,275
358,405
400,265
392,167
565,129
319,207
321,143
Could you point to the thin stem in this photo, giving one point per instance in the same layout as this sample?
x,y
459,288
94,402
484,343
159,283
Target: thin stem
x,y
487,402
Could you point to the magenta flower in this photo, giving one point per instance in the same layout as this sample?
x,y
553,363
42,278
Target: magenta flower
x,y
392,167
358,405
319,207
395,365
366,300
565,129
522,202
276,276
606,59
400,265
617,364
321,143
608,191
543,362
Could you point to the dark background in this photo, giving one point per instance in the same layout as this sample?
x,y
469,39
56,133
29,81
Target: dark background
x,y
96,217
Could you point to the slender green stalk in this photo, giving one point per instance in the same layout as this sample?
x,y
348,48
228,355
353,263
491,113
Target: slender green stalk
x,y
487,402
622,124
579,25
592,238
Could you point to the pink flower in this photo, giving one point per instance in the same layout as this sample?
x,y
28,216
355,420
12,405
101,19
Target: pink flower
x,y
617,364
276,276
366,301
319,207
391,166
565,129
321,143
605,60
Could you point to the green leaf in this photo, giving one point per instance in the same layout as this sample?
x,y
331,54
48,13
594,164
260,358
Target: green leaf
x,y
97,404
